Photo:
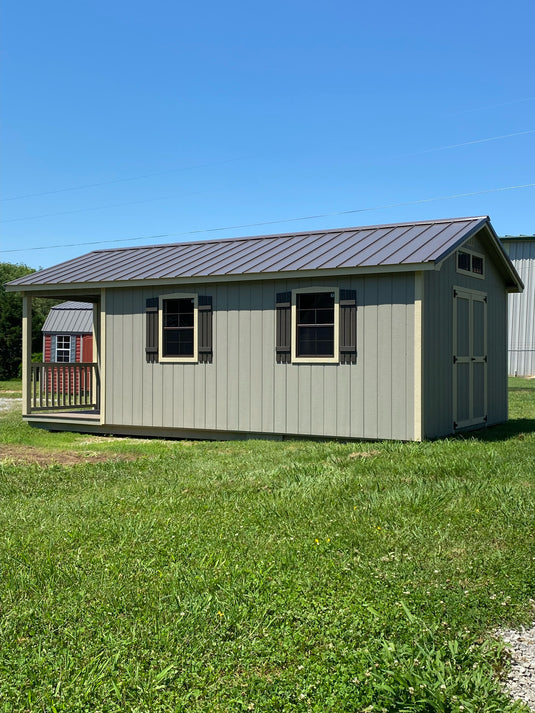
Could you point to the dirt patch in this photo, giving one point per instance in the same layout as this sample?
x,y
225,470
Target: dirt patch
x,y
364,454
44,458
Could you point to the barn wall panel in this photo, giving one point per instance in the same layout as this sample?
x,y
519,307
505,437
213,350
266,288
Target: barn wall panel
x,y
244,389
521,310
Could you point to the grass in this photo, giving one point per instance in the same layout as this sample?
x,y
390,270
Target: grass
x,y
11,389
261,576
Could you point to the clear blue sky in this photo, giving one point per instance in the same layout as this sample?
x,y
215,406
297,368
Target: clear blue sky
x,y
133,119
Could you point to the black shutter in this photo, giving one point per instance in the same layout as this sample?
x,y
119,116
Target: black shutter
x,y
348,326
205,329
284,327
151,340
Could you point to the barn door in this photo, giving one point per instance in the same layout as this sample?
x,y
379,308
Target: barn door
x,y
469,358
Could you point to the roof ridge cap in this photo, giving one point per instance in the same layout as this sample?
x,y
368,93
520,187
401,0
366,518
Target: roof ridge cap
x,y
271,236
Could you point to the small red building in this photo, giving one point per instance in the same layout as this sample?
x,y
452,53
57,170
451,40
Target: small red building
x,y
68,333
68,339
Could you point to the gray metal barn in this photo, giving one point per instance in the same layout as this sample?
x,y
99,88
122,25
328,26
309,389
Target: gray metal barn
x,y
521,250
381,332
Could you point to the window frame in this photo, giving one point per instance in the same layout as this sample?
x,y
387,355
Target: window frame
x,y
335,359
180,359
470,272
67,337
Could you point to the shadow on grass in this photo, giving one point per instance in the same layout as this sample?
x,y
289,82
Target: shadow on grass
x,y
514,428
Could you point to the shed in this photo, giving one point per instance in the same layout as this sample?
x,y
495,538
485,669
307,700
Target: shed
x,y
380,332
68,333
521,250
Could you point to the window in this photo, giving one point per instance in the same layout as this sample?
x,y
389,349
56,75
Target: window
x,y
63,348
178,327
470,263
315,325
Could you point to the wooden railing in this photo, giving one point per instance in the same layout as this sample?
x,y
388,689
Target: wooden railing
x,y
64,386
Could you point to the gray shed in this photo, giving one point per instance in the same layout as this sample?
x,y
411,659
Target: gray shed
x,y
379,332
521,250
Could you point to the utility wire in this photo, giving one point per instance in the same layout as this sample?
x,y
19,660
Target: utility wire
x,y
148,200
100,207
120,180
274,222
470,143
215,163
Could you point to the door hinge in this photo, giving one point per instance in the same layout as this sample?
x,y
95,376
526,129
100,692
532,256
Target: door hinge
x,y
454,359
455,424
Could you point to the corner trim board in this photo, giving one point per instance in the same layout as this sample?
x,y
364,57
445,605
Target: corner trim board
x,y
418,354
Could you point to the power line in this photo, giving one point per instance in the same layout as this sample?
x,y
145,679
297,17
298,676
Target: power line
x,y
100,207
148,200
477,141
274,222
120,180
215,163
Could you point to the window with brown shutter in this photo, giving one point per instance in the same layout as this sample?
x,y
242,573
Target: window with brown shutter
x,y
348,326
283,346
179,329
151,334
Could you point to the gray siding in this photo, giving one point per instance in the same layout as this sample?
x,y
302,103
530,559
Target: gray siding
x,y
438,342
245,390
522,309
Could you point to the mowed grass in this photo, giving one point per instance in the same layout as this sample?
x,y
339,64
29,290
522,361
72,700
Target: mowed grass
x,y
11,389
264,576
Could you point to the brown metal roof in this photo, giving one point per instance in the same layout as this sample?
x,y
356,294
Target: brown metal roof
x,y
371,246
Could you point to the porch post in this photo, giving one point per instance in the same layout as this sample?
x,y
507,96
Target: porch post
x,y
26,354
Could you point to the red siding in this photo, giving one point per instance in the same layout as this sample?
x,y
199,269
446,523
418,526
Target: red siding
x,y
47,356
87,349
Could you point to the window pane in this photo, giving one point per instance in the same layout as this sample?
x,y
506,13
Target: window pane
x,y
63,348
315,341
477,264
178,342
463,261
306,316
170,313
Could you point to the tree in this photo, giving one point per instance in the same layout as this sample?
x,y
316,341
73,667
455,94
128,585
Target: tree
x,y
11,321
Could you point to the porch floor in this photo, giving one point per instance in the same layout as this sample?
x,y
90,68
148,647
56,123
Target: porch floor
x,y
71,416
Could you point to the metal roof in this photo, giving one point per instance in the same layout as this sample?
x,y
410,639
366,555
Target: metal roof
x,y
397,244
70,318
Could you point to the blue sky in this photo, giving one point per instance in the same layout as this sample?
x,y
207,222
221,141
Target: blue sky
x,y
127,120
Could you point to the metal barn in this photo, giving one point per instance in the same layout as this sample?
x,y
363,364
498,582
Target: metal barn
x,y
521,250
379,332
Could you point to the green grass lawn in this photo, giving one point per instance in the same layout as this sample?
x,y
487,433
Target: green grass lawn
x,y
11,389
262,576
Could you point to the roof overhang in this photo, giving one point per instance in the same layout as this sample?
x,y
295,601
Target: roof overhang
x,y
90,291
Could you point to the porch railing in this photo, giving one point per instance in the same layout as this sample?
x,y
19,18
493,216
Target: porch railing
x,y
66,386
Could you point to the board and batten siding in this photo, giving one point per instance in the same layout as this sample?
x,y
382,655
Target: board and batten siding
x,y
522,309
438,341
244,390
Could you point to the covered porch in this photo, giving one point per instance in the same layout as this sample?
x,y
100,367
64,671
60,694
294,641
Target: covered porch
x,y
61,392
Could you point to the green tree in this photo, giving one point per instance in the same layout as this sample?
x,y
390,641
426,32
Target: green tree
x,y
11,321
